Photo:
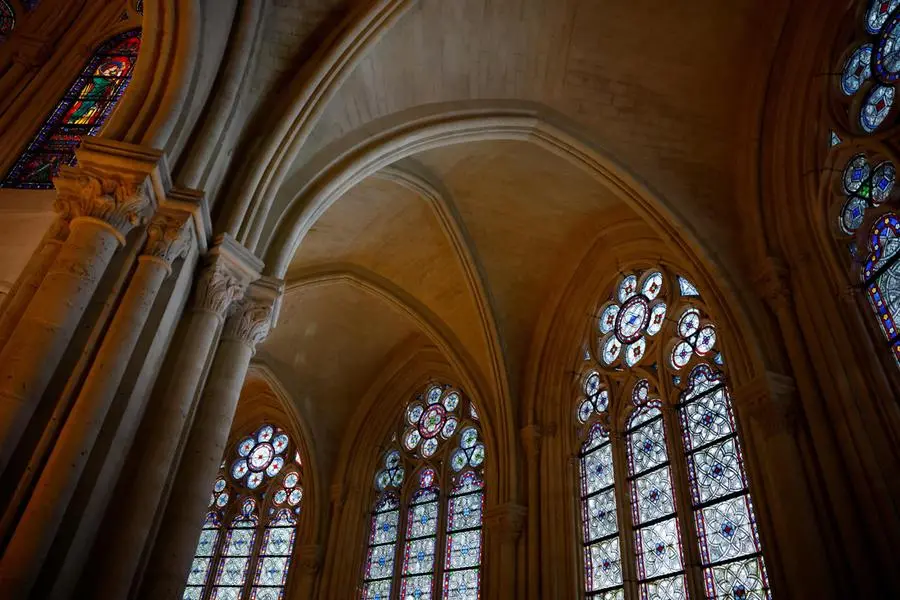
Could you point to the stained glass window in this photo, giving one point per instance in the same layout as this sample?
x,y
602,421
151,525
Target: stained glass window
x,y
82,111
7,19
411,554
730,550
258,493
696,446
881,277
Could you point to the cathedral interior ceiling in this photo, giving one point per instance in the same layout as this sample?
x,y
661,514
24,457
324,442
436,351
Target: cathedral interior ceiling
x,y
666,90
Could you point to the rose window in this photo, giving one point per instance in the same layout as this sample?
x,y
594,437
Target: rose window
x,y
625,322
392,473
260,455
431,418
871,70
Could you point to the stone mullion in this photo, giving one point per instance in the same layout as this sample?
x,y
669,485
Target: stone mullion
x,y
253,561
399,548
628,551
441,535
684,508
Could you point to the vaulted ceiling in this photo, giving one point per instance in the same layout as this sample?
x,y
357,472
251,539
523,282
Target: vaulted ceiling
x,y
464,244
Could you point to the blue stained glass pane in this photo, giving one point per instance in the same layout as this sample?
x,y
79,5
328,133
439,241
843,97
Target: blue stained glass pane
x,y
380,562
419,556
463,550
670,588
658,549
267,593
192,593
707,419
716,471
884,295
599,516
646,447
878,13
883,179
465,512
384,527
687,288
422,520
740,579
884,244
272,571
226,593
462,585
618,594
701,380
377,590
876,107
727,530
206,546
597,470
652,496
278,540
239,542
834,140
852,214
603,565
416,588
887,52
856,70
232,571
199,570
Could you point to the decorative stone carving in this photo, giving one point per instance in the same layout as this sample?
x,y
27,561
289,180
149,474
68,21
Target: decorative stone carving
x,y
773,280
122,203
250,322
169,236
217,289
506,520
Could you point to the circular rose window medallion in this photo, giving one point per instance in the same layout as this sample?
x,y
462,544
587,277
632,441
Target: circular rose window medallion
x,y
432,420
632,319
261,456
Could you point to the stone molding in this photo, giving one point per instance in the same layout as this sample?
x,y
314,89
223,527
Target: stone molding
x,y
773,279
309,558
507,520
771,400
122,202
531,440
169,236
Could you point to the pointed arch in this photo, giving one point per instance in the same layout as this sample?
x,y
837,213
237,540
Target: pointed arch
x,y
82,111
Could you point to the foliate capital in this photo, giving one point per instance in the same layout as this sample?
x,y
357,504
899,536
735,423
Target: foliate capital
x,y
506,520
217,288
169,236
120,201
256,313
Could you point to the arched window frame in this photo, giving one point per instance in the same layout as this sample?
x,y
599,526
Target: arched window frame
x,y
614,394
861,198
272,523
409,477
60,133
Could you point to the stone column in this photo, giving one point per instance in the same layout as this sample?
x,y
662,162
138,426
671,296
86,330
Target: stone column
x,y
770,408
142,497
531,442
168,237
503,526
173,551
307,566
30,280
103,209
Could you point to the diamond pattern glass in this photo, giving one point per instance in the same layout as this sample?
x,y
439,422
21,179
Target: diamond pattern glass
x,y
707,419
465,512
670,588
597,470
647,447
600,516
658,549
715,471
726,530
745,579
652,496
603,566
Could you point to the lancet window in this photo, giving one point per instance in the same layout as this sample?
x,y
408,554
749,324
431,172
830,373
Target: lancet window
x,y
425,535
664,496
861,143
82,111
246,545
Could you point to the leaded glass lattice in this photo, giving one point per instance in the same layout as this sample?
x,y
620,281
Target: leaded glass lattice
x,y
7,20
82,111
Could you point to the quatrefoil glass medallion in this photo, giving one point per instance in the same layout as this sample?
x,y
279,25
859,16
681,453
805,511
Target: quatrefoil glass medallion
x,y
636,313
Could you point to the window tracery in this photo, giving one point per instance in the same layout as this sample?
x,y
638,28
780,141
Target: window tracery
x,y
82,111
425,536
7,20
865,199
664,490
247,541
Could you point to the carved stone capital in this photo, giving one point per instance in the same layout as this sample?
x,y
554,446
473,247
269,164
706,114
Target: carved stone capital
x,y
250,323
122,202
770,400
169,236
309,558
217,288
506,520
773,281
